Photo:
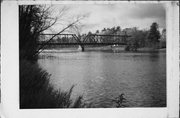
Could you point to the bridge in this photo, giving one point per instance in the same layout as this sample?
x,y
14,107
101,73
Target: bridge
x,y
90,39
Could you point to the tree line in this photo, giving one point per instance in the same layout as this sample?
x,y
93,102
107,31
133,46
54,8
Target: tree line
x,y
139,38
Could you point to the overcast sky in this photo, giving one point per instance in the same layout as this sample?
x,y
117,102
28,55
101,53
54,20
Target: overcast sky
x,y
124,15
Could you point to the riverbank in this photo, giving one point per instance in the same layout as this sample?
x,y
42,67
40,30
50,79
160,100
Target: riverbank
x,y
102,48
37,92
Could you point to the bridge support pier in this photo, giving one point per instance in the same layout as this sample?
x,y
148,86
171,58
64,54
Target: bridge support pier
x,y
81,48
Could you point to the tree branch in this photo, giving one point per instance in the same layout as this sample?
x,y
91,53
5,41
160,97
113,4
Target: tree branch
x,y
48,26
70,25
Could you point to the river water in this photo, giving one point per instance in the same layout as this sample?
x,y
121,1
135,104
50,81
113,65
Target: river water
x,y
101,76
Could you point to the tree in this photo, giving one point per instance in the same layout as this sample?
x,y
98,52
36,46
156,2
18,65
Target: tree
x,y
33,21
163,39
163,35
29,29
137,39
104,30
154,34
90,39
97,31
118,28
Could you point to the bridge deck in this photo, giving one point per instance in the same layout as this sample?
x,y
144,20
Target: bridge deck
x,y
104,35
83,44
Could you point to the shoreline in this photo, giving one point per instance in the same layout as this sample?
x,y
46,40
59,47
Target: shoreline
x,y
103,48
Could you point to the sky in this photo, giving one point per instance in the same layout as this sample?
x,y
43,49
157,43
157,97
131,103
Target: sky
x,y
99,16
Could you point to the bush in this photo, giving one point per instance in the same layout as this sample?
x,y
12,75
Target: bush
x,y
36,91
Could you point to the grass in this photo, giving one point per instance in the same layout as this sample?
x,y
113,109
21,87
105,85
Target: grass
x,y
36,91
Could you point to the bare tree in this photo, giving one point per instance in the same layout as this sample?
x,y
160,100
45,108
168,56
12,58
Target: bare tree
x,y
34,20
78,28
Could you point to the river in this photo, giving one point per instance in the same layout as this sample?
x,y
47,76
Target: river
x,y
101,76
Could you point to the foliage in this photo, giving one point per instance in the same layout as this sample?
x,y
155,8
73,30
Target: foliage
x,y
33,20
109,31
154,35
163,35
137,40
163,39
37,92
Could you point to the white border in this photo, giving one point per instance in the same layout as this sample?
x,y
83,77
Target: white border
x,y
172,20
10,70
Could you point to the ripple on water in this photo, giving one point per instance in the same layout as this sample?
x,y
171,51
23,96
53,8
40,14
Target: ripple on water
x,y
102,76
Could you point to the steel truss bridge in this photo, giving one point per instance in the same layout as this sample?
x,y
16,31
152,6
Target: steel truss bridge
x,y
91,39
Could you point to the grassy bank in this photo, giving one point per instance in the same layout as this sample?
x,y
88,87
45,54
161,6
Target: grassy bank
x,y
36,91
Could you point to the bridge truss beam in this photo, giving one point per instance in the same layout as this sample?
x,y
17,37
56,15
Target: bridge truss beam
x,y
92,39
